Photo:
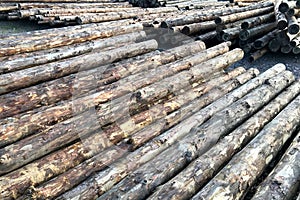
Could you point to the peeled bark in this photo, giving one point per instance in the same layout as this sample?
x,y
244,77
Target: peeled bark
x,y
245,167
145,179
106,179
191,179
283,181
27,77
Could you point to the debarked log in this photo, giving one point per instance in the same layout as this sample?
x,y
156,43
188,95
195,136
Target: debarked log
x,y
142,181
191,179
283,181
253,159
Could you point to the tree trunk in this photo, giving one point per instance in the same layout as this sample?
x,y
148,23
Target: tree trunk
x,y
107,178
235,178
191,179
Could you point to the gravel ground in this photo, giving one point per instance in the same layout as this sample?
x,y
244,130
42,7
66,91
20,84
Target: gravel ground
x,y
291,61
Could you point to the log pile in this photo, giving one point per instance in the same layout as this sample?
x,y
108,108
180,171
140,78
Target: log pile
x,y
110,111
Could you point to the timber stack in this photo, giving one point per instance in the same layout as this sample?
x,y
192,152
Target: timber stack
x,y
110,110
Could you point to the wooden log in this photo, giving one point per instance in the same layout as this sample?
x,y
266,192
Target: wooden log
x,y
191,179
252,22
211,15
256,31
230,34
71,155
207,36
22,61
253,159
141,182
105,179
9,7
283,181
274,45
63,40
28,123
149,150
282,21
293,12
27,77
243,15
286,49
105,114
264,40
198,27
293,25
258,54
57,185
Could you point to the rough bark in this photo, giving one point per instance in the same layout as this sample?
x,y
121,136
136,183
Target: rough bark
x,y
283,181
22,61
258,54
62,39
106,179
200,171
145,179
57,185
256,31
27,77
264,40
243,15
252,22
239,174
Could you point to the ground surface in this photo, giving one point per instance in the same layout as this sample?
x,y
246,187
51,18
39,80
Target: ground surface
x,y
290,60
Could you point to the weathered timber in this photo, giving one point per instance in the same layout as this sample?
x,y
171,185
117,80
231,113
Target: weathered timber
x,y
27,77
281,20
252,22
242,15
286,49
150,150
63,39
95,144
198,27
293,25
105,114
27,123
296,49
258,54
141,182
230,34
190,180
274,45
58,185
293,12
283,181
256,31
264,40
105,180
211,15
207,36
78,84
22,61
252,160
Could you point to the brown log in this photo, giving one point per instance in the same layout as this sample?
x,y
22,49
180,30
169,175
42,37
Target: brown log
x,y
27,77
156,112
243,15
258,54
296,50
22,61
283,181
141,182
253,159
119,170
191,179
149,150
96,143
62,40
30,122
